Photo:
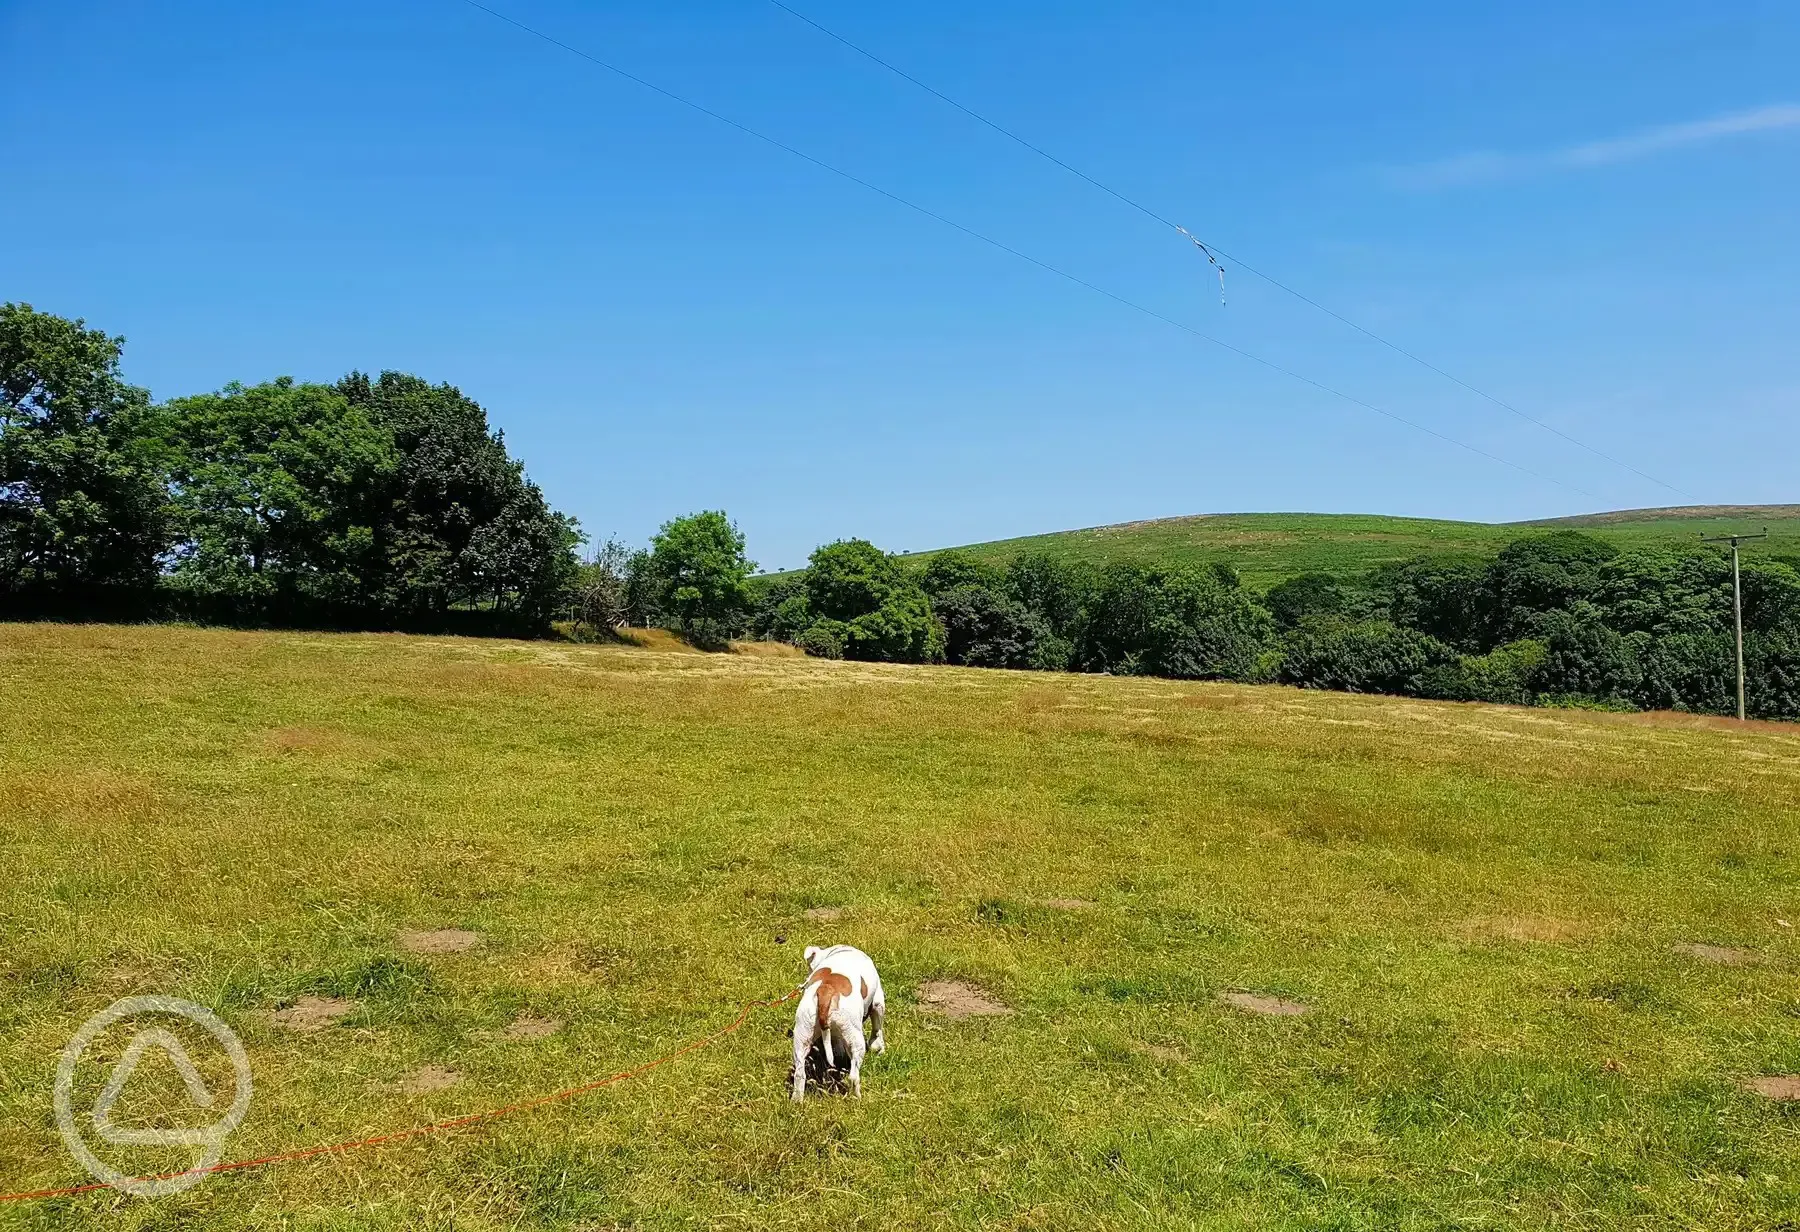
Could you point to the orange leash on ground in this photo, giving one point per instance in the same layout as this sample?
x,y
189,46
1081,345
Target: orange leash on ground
x,y
463,1122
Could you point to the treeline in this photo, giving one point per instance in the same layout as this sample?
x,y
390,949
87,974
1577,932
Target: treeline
x,y
1555,619
383,502
389,502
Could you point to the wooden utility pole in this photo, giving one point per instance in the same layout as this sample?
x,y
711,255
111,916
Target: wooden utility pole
x,y
1737,603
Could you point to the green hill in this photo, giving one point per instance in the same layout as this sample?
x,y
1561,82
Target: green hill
x,y
1266,547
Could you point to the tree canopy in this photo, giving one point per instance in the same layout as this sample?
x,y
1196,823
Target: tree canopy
x,y
278,490
702,575
83,504
870,605
385,502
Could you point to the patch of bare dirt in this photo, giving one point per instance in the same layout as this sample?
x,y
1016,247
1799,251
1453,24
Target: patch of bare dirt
x,y
439,941
823,913
313,1013
1070,904
955,999
1718,955
531,1027
428,1078
1256,1003
1165,1054
1775,1086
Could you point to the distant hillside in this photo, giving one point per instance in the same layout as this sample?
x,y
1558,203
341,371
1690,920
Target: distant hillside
x,y
1702,519
1266,547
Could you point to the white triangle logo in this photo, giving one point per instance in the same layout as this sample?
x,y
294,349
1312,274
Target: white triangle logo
x,y
197,1091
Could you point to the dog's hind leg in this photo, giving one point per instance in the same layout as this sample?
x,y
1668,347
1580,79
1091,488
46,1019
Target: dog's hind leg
x,y
802,1046
878,1016
853,1038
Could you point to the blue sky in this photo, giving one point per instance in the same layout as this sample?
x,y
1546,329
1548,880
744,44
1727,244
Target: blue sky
x,y
1586,210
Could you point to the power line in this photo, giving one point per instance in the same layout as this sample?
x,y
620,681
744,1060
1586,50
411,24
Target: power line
x,y
1210,249
1008,249
864,52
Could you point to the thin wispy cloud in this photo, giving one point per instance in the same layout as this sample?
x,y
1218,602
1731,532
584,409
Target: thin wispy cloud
x,y
1484,166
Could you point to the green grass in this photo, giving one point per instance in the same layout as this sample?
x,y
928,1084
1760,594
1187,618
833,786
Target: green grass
x,y
1479,905
1267,547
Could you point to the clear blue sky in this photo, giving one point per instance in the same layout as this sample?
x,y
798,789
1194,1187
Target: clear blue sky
x,y
1588,210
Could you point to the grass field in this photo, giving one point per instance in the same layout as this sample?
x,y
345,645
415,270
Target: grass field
x,y
1267,547
1481,909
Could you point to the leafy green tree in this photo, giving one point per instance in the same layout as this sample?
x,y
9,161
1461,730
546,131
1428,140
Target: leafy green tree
x,y
1058,590
462,525
523,560
279,494
83,498
902,630
949,569
1506,674
851,578
1308,594
386,502
983,628
1450,598
1694,671
1184,623
1772,674
1679,606
643,592
886,616
1116,630
780,611
1543,574
824,639
1368,656
1665,592
1204,627
703,575
1771,596
1583,658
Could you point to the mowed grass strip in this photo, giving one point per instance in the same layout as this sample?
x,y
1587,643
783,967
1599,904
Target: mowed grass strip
x,y
422,877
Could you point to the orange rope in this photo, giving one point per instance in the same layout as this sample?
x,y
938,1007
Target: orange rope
x,y
463,1122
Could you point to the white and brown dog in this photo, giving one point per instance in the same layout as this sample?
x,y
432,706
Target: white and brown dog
x,y
842,991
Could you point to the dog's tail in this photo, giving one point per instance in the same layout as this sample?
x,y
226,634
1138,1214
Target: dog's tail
x,y
828,986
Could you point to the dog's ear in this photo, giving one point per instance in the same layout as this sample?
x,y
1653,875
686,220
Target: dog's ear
x,y
812,952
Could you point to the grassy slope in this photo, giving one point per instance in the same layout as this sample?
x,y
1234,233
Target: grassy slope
x,y
1478,903
1267,547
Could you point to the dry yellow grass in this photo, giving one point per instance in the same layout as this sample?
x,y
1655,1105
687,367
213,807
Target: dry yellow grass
x,y
1479,907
